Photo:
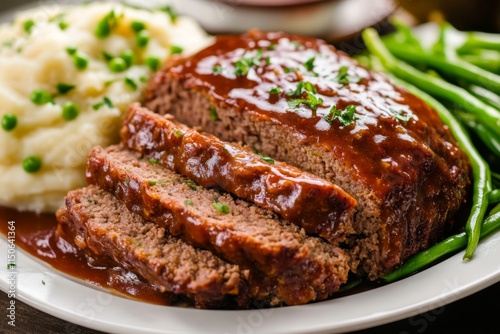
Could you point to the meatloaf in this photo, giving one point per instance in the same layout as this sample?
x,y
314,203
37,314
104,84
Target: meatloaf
x,y
302,198
301,101
291,267
103,227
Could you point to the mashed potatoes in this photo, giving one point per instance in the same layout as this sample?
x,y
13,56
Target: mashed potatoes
x,y
66,77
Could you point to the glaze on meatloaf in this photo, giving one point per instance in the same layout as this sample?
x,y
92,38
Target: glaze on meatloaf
x,y
302,198
289,266
299,100
101,226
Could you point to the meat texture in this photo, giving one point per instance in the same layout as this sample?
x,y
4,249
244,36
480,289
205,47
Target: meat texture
x,y
299,100
302,198
290,267
103,227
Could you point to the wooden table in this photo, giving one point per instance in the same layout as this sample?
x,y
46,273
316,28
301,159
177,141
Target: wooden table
x,y
478,313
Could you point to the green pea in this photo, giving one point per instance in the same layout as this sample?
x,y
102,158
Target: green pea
x,y
9,122
32,164
142,38
63,25
28,26
41,97
117,65
128,56
70,111
137,26
175,49
81,61
153,63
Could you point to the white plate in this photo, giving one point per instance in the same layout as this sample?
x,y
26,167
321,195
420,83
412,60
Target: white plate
x,y
54,293
75,301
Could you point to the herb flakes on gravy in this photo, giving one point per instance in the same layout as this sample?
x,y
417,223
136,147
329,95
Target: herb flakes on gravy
x,y
66,77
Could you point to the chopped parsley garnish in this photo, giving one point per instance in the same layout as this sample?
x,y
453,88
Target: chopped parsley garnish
x,y
297,45
290,69
153,161
272,46
217,69
266,158
221,207
263,156
242,66
106,25
9,122
344,78
191,184
70,111
302,85
64,88
152,182
310,99
176,49
346,117
178,133
107,56
131,83
90,200
213,114
188,202
171,13
28,26
275,90
41,97
401,115
309,64
32,164
105,101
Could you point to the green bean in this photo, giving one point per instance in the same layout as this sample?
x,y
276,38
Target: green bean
x,y
480,40
491,140
485,95
442,89
481,171
486,59
495,210
452,66
449,245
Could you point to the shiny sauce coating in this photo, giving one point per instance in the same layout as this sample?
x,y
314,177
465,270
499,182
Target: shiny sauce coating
x,y
261,75
37,235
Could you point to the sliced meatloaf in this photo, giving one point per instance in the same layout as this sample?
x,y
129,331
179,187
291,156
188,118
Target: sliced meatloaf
x,y
302,198
102,226
291,267
299,100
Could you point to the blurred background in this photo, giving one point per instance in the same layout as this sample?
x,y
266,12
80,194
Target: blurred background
x,y
334,20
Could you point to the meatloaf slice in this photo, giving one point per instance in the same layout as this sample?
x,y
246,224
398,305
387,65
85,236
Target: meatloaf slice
x,y
299,100
102,226
292,268
302,198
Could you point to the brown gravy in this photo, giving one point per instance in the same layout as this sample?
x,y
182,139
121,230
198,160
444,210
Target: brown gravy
x,y
36,234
